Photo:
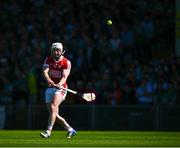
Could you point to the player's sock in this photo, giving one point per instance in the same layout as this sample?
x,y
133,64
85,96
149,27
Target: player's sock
x,y
49,128
70,129
48,132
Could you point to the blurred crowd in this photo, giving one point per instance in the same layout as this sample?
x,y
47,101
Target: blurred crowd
x,y
132,61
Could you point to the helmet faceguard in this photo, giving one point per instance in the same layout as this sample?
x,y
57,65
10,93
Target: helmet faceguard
x,y
57,47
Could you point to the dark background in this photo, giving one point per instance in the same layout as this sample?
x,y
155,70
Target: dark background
x,y
111,60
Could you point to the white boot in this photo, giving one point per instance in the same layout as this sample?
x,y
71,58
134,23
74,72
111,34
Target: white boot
x,y
45,134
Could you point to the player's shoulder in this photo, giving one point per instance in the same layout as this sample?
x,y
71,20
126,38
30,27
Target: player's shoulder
x,y
66,62
48,59
65,59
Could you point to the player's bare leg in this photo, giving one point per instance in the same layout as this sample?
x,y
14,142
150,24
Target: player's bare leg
x,y
60,120
53,111
63,123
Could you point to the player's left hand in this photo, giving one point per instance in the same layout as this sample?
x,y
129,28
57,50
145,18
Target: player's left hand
x,y
58,86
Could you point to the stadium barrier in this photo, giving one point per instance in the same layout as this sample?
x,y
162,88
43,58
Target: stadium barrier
x,y
2,117
97,117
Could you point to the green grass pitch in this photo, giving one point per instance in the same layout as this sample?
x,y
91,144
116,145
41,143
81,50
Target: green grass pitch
x,y
22,138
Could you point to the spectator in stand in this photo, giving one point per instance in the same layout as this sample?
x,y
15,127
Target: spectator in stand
x,y
25,32
145,92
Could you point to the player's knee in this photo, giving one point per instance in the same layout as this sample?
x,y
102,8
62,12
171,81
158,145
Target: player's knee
x,y
54,108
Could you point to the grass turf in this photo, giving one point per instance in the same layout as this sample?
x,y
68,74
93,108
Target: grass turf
x,y
32,138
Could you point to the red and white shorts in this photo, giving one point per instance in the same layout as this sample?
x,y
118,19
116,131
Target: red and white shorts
x,y
50,92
